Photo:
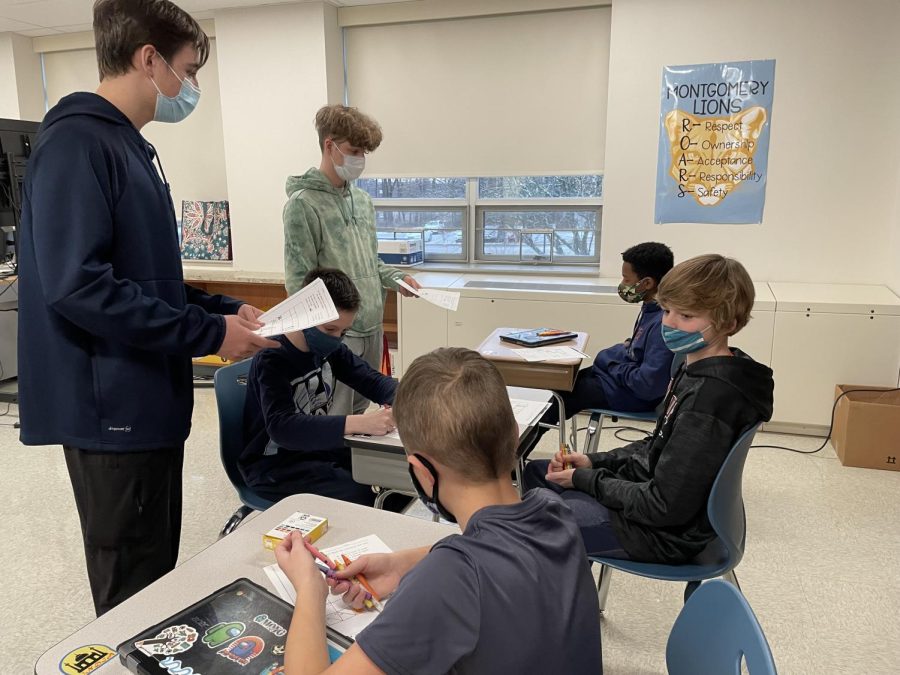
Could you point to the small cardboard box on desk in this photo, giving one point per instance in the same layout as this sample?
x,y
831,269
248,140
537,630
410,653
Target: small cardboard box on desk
x,y
400,252
867,427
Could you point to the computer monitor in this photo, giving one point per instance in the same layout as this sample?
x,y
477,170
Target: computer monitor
x,y
17,139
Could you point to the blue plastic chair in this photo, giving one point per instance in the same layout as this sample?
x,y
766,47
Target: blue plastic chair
x,y
230,384
725,510
715,630
595,424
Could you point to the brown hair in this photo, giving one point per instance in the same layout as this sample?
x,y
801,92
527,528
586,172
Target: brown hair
x,y
121,27
342,290
452,405
710,283
347,124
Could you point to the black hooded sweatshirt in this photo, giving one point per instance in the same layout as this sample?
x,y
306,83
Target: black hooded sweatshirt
x,y
657,489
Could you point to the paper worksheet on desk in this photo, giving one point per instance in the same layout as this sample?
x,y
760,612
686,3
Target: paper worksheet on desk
x,y
345,620
526,412
310,306
447,299
549,353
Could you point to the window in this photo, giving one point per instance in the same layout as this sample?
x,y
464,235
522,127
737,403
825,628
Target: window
x,y
514,219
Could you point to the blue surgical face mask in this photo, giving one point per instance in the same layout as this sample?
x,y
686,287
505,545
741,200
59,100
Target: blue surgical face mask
x,y
682,341
432,503
319,343
175,109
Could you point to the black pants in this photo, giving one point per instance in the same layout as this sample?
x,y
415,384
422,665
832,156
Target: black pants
x,y
129,504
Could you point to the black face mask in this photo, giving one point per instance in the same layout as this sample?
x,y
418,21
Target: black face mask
x,y
432,503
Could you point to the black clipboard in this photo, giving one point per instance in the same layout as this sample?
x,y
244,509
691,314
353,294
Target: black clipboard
x,y
239,629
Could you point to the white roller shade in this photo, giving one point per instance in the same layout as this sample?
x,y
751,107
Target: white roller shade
x,y
503,95
192,151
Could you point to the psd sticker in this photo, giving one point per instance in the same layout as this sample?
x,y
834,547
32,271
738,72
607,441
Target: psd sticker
x,y
85,659
244,650
218,635
169,641
175,668
276,629
275,669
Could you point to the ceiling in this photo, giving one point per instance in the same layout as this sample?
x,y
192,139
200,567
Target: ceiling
x,y
34,18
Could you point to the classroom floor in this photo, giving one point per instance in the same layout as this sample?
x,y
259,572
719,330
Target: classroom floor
x,y
820,568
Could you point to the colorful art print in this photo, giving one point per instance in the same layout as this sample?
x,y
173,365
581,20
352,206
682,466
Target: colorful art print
x,y
205,230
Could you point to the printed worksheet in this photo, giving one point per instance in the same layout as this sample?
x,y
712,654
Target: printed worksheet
x,y
310,306
527,411
345,620
549,353
449,300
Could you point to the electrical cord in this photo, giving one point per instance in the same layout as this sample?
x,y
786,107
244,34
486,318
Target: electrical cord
x,y
830,425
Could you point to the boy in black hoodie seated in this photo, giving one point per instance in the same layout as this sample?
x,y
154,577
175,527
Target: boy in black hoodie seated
x,y
292,444
647,501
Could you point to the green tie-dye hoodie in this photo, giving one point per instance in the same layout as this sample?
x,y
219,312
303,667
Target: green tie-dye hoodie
x,y
325,226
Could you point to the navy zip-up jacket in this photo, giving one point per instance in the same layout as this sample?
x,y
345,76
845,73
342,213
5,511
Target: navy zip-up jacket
x,y
107,326
286,412
635,374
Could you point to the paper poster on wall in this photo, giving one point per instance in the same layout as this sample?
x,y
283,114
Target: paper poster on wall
x,y
713,155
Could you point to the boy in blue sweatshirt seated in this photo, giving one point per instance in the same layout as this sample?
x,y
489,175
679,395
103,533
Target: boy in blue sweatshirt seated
x,y
292,444
647,500
512,593
630,376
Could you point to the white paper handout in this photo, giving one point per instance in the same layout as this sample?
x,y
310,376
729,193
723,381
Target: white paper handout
x,y
310,306
527,411
447,299
549,354
338,615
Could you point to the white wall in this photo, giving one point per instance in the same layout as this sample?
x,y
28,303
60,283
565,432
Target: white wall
x,y
273,64
833,160
21,89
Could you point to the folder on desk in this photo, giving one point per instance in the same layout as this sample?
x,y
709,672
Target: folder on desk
x,y
220,635
538,337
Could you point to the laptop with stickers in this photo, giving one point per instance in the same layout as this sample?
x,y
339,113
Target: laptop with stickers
x,y
220,635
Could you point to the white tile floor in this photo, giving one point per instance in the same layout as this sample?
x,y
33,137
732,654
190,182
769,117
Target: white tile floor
x,y
821,566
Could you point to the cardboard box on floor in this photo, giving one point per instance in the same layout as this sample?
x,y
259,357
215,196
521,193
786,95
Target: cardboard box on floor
x,y
867,427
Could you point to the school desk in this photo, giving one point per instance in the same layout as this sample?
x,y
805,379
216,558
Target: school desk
x,y
240,554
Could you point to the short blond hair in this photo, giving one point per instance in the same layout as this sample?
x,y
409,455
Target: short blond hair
x,y
343,123
452,405
710,283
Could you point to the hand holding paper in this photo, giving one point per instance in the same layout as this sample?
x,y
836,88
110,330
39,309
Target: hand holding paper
x,y
310,306
447,299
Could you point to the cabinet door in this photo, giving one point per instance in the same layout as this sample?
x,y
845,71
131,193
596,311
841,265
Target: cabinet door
x,y
814,352
423,328
479,317
756,337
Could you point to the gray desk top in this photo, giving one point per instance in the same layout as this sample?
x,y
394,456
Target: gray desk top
x,y
241,554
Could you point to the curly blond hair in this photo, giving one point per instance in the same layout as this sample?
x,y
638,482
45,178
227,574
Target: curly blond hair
x,y
710,283
343,123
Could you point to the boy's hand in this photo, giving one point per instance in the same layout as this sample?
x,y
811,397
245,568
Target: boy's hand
x,y
250,313
381,570
575,461
412,282
562,478
240,341
299,566
376,423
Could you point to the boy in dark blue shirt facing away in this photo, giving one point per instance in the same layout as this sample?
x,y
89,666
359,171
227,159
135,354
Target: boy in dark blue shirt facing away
x,y
292,443
512,593
631,376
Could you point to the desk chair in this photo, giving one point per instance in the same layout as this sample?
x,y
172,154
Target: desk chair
x,y
715,630
230,384
725,510
595,424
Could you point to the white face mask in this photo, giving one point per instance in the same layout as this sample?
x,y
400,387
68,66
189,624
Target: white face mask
x,y
352,167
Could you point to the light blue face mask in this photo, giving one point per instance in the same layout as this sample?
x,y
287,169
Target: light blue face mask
x,y
175,109
682,341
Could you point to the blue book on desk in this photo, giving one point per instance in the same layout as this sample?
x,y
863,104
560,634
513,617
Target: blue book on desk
x,y
538,337
221,635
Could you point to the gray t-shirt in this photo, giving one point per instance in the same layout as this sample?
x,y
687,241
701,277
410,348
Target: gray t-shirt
x,y
512,594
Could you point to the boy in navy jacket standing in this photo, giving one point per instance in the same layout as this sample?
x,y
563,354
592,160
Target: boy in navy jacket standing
x,y
107,326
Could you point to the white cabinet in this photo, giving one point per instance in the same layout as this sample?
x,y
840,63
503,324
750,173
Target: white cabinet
x,y
829,334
